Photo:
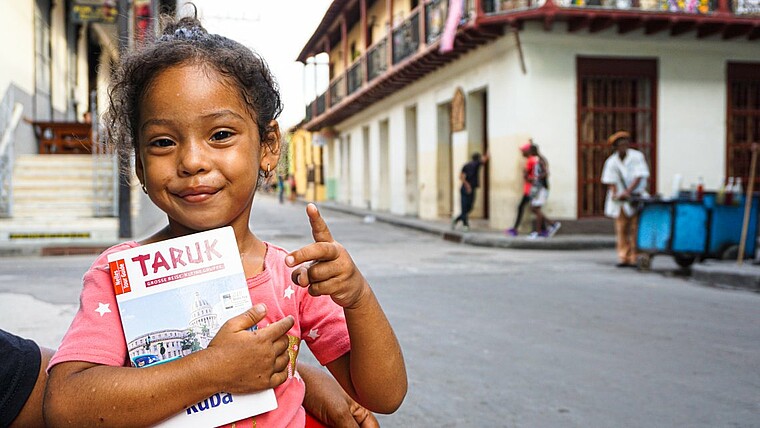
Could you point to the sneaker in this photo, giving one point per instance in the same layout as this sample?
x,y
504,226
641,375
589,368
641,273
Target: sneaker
x,y
534,235
453,224
554,228
465,228
511,232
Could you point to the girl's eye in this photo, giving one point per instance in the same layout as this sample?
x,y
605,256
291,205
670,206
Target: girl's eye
x,y
221,135
163,142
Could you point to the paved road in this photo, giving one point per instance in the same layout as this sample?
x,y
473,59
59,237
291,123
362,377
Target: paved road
x,y
505,338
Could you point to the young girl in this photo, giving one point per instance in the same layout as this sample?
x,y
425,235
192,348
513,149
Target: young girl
x,y
199,111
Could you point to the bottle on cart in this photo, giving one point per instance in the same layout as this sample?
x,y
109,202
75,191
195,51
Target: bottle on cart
x,y
738,191
720,196
729,198
700,189
676,186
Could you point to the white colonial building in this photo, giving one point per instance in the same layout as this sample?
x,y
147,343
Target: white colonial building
x,y
682,76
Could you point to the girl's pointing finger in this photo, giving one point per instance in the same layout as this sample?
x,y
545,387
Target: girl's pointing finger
x,y
319,229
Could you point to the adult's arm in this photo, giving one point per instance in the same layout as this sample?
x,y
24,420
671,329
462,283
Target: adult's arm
x,y
465,183
31,413
626,193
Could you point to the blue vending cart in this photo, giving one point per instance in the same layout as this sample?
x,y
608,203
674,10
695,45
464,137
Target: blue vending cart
x,y
692,230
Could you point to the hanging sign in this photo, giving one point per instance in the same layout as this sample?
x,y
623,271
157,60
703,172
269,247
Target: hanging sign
x,y
84,11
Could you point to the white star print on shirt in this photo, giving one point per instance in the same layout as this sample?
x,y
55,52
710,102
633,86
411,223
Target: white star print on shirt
x,y
103,308
289,292
313,333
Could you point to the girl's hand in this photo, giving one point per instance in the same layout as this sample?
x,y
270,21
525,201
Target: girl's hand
x,y
250,361
330,269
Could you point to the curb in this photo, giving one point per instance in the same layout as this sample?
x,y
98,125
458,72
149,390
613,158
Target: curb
x,y
56,248
729,274
493,239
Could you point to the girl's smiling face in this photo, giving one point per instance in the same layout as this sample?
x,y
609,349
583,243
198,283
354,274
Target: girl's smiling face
x,y
199,151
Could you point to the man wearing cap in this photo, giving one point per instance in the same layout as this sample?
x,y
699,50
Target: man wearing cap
x,y
625,173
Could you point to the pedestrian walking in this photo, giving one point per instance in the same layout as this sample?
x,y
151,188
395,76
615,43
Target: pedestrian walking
x,y
291,188
539,193
535,192
527,185
281,188
626,174
470,178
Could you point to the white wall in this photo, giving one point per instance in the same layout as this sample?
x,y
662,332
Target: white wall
x,y
59,60
82,88
541,104
17,33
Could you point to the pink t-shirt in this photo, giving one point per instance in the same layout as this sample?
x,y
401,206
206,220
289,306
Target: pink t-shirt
x,y
96,335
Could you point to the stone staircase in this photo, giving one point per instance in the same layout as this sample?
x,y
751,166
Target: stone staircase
x,y
61,199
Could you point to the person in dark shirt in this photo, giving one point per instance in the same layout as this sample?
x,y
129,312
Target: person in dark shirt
x,y
470,177
22,381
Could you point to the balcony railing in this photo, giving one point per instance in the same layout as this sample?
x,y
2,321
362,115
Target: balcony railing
x,y
406,38
338,89
688,6
355,78
321,104
425,25
745,7
435,19
500,6
377,59
738,7
309,111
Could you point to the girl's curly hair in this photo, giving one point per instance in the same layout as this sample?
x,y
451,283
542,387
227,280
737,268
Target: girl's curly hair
x,y
182,42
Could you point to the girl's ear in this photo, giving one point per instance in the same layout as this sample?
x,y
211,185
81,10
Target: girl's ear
x,y
270,147
139,170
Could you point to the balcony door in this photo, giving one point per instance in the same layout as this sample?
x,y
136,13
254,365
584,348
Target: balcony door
x,y
612,94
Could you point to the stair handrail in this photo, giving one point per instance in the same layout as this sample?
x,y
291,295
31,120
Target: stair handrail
x,y
6,160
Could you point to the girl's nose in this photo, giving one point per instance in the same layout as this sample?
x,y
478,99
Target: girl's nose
x,y
193,158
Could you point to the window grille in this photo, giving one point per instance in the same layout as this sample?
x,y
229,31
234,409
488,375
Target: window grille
x,y
613,94
743,119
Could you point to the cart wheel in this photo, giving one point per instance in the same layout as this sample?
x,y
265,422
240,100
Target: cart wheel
x,y
684,260
644,261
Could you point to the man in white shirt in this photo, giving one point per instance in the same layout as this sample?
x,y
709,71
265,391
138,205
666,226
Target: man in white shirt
x,y
625,173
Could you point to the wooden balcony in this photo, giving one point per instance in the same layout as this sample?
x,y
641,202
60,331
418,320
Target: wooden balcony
x,y
63,137
412,51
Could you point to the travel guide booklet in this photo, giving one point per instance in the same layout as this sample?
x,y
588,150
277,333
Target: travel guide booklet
x,y
173,297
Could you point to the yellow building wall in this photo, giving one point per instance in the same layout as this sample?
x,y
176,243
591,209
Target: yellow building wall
x,y
304,156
